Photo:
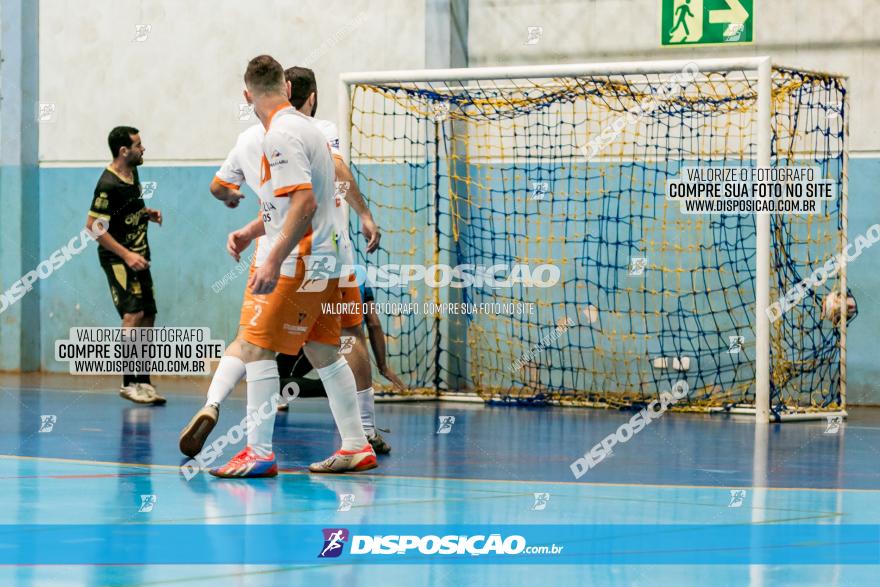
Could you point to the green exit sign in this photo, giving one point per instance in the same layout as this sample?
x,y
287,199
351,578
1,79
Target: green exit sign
x,y
706,22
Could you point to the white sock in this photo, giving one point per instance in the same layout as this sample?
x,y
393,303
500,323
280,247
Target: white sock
x,y
368,411
229,373
262,388
341,390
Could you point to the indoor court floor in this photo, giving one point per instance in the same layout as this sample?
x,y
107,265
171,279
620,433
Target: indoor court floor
x,y
796,504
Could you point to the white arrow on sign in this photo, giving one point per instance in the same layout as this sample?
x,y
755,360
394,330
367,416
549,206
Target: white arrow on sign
x,y
734,13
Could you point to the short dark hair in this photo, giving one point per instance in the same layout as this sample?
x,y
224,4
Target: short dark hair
x,y
264,75
302,83
121,137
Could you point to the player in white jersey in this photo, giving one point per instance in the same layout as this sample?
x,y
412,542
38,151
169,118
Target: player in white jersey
x,y
304,96
279,313
242,166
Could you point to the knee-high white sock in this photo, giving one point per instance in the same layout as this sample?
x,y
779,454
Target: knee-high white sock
x,y
262,388
368,411
229,373
339,382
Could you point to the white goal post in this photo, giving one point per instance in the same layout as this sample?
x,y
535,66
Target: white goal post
x,y
762,70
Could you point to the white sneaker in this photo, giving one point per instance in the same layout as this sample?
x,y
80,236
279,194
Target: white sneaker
x,y
135,394
150,391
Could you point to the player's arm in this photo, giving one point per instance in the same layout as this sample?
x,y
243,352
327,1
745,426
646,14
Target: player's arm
x,y
356,200
290,179
239,240
227,193
377,343
132,259
303,206
226,182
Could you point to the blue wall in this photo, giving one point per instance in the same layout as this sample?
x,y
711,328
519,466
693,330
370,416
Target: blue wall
x,y
189,256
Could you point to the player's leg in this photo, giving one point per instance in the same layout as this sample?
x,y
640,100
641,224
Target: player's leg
x,y
127,295
322,350
148,320
356,454
359,360
276,323
257,459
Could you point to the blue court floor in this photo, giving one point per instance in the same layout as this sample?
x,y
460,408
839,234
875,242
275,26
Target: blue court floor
x,y
103,455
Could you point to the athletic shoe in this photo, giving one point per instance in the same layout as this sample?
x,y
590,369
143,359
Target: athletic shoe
x,y
135,394
148,388
378,443
347,461
247,464
194,435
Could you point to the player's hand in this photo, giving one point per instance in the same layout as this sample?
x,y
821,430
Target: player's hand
x,y
153,215
236,242
136,262
264,279
391,376
233,197
371,231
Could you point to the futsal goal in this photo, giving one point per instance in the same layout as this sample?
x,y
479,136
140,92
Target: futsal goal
x,y
566,165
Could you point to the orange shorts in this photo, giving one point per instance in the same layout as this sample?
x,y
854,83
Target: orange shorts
x,y
351,297
284,320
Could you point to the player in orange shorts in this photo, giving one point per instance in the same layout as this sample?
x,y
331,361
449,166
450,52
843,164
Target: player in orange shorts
x,y
282,309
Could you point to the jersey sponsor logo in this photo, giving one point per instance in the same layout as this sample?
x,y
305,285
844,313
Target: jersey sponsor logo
x,y
102,201
276,158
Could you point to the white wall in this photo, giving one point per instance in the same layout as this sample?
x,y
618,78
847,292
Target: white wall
x,y
182,85
840,36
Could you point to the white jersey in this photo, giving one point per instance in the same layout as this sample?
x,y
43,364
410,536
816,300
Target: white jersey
x,y
242,165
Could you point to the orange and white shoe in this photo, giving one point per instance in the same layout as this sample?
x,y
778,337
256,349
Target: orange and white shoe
x,y
247,464
347,461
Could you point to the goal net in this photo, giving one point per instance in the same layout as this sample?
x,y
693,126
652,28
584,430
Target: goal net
x,y
567,166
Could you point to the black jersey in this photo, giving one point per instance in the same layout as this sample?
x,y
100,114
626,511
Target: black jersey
x,y
120,203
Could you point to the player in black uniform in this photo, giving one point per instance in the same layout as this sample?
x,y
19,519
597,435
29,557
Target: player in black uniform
x,y
124,253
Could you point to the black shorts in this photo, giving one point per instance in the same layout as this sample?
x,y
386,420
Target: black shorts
x,y
132,291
